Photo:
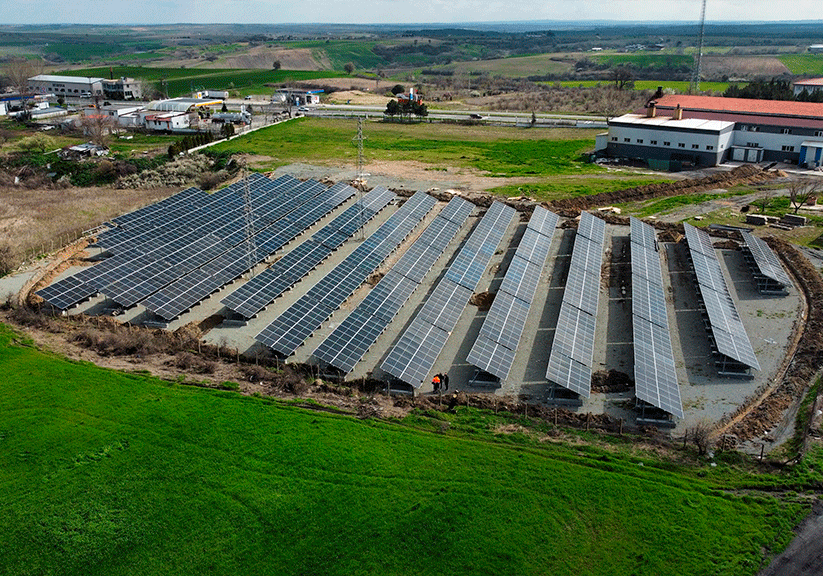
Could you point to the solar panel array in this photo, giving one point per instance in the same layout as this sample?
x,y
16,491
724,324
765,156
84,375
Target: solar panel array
x,y
655,375
292,327
250,298
152,248
766,260
570,361
347,344
182,294
412,358
725,324
496,345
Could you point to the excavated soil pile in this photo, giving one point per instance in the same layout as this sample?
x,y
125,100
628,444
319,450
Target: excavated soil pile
x,y
483,300
611,381
808,357
747,174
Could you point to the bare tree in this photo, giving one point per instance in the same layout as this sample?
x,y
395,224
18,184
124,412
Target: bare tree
x,y
98,126
764,201
700,435
19,70
803,190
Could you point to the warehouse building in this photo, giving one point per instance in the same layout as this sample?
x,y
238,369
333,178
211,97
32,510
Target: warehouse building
x,y
679,130
66,85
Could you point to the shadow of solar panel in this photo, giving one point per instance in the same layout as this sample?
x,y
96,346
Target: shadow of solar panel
x,y
445,304
699,240
390,294
347,344
649,302
570,374
66,293
574,336
412,358
491,357
543,221
505,320
766,260
592,228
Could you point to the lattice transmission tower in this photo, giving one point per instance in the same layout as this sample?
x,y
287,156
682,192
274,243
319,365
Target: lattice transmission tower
x,y
359,182
694,87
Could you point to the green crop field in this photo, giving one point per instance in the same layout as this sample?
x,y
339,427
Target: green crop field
x,y
571,186
341,52
677,85
499,151
805,64
645,60
180,81
103,472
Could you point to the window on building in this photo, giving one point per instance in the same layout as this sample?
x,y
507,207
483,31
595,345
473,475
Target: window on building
x,y
787,148
695,146
785,131
639,140
614,138
653,142
751,145
818,133
709,147
681,144
667,143
627,139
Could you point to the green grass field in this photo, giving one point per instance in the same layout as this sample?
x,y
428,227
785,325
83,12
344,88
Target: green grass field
x,y
501,152
806,64
182,81
111,473
679,86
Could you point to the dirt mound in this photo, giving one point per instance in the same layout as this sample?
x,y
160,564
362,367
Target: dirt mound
x,y
764,413
726,245
742,174
611,381
483,300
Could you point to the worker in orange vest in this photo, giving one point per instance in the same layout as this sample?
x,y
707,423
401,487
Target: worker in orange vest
x,y
436,383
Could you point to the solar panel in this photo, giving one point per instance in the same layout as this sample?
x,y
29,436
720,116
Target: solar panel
x,y
654,368
522,278
543,221
415,353
347,344
445,304
290,329
643,234
417,350
534,246
646,263
457,210
591,227
65,293
333,289
505,320
727,329
582,290
386,299
570,374
491,357
587,255
766,260
649,301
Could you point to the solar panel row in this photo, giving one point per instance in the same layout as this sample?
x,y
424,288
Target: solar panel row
x,y
727,329
159,247
347,344
655,375
412,358
766,260
182,294
570,361
261,290
290,329
495,348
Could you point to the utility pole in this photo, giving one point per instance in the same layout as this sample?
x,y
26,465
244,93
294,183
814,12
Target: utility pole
x,y
248,215
359,182
694,87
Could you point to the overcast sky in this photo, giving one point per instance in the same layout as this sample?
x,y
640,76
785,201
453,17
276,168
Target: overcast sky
x,y
394,11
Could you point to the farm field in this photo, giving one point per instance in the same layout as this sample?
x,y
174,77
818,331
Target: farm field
x,y
148,477
805,64
181,82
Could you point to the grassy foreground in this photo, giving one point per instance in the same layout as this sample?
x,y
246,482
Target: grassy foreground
x,y
110,473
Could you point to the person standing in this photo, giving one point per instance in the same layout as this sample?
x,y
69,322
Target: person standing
x,y
436,383
445,381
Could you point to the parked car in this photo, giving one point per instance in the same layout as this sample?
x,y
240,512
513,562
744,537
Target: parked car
x,y
85,94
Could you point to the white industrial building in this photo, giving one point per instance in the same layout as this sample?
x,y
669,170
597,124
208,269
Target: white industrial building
x,y
811,86
65,85
705,131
